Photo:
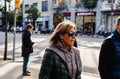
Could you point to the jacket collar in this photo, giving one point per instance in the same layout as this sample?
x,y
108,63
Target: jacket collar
x,y
117,35
61,47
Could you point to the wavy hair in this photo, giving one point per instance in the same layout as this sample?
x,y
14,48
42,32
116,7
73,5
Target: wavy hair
x,y
61,28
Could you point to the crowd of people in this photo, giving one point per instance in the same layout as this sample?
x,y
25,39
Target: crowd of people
x,y
62,58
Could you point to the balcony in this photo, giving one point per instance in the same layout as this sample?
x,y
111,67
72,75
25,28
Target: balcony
x,y
107,6
55,5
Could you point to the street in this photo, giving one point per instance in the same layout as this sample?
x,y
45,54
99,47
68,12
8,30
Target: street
x,y
89,51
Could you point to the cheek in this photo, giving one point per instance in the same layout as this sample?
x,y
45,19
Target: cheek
x,y
119,27
68,41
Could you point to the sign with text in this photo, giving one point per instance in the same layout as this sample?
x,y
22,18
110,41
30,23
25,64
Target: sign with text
x,y
85,13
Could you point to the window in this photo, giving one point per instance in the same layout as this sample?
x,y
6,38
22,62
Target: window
x,y
26,7
110,1
44,5
35,5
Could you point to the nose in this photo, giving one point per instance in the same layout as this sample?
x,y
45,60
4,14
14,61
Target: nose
x,y
74,36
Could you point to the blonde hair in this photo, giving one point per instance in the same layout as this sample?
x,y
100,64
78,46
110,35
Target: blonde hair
x,y
61,28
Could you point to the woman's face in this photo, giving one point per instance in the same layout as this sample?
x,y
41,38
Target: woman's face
x,y
69,38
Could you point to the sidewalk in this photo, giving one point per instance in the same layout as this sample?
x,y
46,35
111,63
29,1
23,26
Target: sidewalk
x,y
13,70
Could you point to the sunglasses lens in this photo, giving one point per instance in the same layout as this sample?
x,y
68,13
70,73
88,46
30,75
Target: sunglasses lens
x,y
72,33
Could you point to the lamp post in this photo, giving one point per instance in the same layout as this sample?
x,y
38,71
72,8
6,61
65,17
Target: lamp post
x,y
23,13
112,13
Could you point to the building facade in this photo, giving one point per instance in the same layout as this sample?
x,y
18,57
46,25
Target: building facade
x,y
42,22
81,17
85,20
99,19
109,14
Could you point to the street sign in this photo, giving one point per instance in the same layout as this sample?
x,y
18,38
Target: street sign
x,y
17,4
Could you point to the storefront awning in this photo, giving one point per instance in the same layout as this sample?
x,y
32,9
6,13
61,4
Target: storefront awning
x,y
80,14
85,13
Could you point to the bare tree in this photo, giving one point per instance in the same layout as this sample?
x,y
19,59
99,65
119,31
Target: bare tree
x,y
6,39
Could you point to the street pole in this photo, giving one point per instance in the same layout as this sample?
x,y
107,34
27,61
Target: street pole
x,y
17,6
23,18
14,35
5,50
112,16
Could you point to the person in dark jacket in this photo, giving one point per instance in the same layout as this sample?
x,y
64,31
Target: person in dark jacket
x,y
61,59
109,59
26,48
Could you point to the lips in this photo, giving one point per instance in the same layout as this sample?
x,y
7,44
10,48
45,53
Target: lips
x,y
72,41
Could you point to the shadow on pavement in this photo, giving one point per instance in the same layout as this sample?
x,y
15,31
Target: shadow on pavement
x,y
90,70
20,77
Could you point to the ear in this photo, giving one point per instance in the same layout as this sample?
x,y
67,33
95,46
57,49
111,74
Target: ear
x,y
61,36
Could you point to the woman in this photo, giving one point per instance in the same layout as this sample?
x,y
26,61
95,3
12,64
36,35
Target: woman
x,y
61,59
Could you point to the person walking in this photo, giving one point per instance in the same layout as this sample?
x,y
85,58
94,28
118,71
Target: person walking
x,y
61,59
109,59
26,48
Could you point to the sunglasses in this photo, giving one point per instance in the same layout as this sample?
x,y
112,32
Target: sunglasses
x,y
72,33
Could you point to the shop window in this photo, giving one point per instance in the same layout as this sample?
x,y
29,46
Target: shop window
x,y
46,22
76,0
110,1
44,5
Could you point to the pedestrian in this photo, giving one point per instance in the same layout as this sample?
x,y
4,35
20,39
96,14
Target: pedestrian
x,y
61,59
27,48
109,59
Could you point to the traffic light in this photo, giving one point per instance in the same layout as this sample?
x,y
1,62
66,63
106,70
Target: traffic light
x,y
17,4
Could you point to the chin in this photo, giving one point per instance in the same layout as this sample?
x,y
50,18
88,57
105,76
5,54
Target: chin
x,y
71,45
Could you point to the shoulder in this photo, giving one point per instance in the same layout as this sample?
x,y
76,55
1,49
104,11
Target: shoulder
x,y
108,41
25,33
107,44
49,52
